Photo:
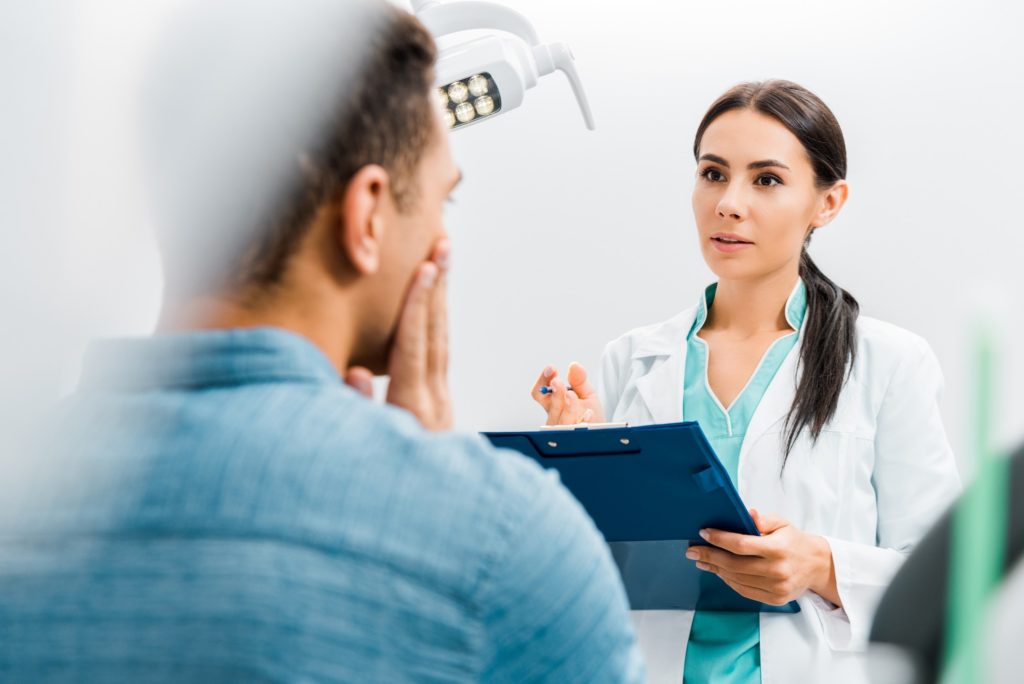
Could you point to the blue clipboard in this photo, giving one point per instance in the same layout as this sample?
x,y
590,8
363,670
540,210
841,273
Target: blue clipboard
x,y
649,490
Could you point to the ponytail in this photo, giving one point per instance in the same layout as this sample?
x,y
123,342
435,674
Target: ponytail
x,y
827,351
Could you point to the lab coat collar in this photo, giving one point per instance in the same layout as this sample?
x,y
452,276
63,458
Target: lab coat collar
x,y
661,388
795,309
665,338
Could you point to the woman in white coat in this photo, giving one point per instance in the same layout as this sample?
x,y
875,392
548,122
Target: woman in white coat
x,y
832,432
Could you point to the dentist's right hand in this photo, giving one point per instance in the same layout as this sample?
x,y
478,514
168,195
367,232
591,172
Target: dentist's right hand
x,y
566,406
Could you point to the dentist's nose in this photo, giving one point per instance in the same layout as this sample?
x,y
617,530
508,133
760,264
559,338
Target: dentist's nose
x,y
731,205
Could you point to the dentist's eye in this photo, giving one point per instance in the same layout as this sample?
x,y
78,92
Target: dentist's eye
x,y
768,177
711,174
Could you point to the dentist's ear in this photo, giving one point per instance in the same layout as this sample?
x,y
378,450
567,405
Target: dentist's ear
x,y
361,224
832,201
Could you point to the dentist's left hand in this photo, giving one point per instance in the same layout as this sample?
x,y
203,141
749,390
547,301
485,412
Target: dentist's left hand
x,y
774,568
418,361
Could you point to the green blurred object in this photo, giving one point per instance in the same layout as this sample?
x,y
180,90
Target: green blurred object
x,y
979,539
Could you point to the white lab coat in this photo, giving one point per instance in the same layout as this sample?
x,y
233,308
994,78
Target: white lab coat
x,y
880,474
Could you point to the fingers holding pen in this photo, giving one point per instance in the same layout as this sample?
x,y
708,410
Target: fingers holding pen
x,y
562,402
556,403
541,391
577,377
571,412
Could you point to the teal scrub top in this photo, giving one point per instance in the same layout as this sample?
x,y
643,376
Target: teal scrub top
x,y
725,647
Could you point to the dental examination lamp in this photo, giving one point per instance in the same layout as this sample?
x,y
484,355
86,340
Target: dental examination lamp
x,y
480,78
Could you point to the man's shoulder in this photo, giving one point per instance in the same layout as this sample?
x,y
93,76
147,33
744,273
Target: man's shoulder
x,y
447,503
301,454
375,461
354,431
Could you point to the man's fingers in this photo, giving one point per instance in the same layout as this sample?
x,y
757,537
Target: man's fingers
x,y
409,355
438,326
361,380
441,254
437,331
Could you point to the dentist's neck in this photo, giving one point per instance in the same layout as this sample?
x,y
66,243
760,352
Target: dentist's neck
x,y
748,307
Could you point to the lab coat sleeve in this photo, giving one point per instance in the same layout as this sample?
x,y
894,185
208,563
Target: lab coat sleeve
x,y
915,479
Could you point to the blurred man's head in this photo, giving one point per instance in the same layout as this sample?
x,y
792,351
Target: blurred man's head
x,y
334,217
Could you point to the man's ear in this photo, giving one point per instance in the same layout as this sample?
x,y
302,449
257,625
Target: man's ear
x,y
831,202
363,209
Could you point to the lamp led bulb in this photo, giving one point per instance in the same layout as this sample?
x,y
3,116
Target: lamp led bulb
x,y
478,85
458,92
484,105
465,112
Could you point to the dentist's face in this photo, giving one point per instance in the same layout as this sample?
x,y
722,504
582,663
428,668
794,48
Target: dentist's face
x,y
755,199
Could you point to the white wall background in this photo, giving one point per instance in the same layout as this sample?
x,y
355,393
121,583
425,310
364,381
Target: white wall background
x,y
566,238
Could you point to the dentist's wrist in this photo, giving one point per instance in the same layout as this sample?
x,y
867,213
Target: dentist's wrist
x,y
824,583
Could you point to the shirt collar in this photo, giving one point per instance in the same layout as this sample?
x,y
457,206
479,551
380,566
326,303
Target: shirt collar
x,y
205,358
796,307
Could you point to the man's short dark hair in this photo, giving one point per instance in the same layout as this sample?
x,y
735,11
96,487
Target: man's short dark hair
x,y
386,121
258,113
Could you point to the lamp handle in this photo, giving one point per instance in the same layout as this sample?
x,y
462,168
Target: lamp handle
x,y
558,56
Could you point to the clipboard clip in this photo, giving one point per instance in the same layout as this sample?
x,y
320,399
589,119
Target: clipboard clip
x,y
585,426
709,479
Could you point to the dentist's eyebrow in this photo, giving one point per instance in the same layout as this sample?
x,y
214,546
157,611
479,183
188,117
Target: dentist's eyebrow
x,y
764,163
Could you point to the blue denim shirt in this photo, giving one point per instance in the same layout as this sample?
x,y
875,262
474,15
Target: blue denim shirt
x,y
220,506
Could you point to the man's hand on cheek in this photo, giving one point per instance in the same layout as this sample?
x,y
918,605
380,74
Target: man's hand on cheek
x,y
418,363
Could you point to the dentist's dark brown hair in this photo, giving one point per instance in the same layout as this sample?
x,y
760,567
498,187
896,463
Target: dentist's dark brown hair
x,y
829,341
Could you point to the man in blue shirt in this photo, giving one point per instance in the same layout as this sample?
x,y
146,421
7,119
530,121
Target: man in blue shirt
x,y
218,503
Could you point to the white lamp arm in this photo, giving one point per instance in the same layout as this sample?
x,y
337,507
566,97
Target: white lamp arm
x,y
469,15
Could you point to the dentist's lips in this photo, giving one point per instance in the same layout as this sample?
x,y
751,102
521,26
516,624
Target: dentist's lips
x,y
728,242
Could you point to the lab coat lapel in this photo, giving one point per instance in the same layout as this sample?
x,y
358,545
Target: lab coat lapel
x,y
661,387
776,402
